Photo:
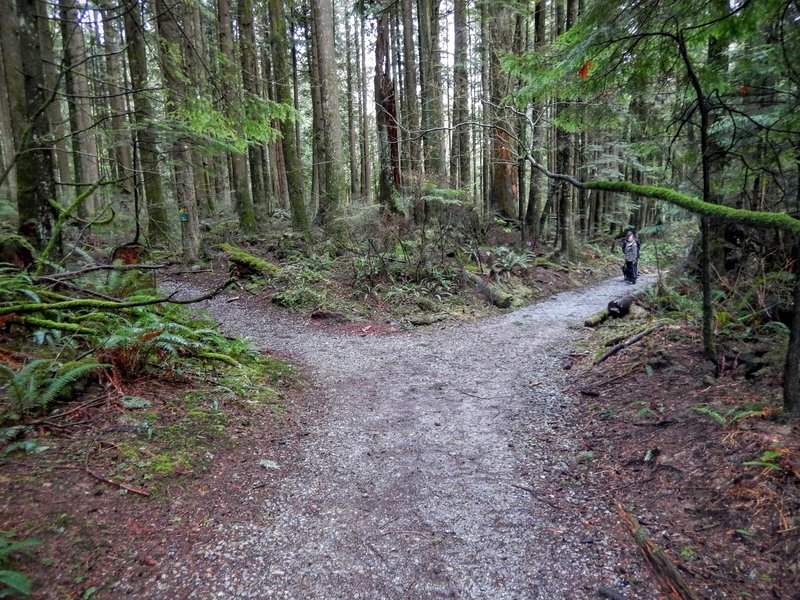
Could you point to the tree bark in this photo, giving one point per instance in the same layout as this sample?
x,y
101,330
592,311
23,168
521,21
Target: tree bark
x,y
411,101
58,127
460,175
504,174
158,230
35,184
84,145
351,115
247,45
366,169
243,199
335,190
168,15
12,97
386,118
283,87
123,167
432,122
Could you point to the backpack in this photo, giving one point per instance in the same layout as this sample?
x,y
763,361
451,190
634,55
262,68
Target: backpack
x,y
632,251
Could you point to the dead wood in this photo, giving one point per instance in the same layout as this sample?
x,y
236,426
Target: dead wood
x,y
597,318
492,293
610,594
664,570
80,272
119,484
620,307
629,342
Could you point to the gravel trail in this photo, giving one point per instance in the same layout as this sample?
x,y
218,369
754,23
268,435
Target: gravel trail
x,y
431,473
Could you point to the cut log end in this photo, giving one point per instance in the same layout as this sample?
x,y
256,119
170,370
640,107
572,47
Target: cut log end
x,y
620,307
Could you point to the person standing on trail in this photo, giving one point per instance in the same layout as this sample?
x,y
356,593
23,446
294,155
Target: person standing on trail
x,y
630,250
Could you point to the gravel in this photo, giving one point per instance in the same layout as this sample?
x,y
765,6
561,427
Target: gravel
x,y
434,468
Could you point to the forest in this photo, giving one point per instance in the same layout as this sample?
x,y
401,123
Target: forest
x,y
378,166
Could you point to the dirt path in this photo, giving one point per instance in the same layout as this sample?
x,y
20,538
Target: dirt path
x,y
436,470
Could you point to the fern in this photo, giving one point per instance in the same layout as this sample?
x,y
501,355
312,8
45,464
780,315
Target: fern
x,y
41,381
13,583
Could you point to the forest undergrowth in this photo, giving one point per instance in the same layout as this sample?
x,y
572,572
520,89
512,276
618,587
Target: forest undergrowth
x,y
128,419
701,452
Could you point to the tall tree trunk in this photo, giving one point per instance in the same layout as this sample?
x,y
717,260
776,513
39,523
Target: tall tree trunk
x,y
564,149
243,199
283,94
460,147
169,12
84,144
351,116
335,191
411,111
504,174
433,141
158,230
8,176
318,173
366,170
57,123
385,117
35,184
247,45
535,200
195,52
123,168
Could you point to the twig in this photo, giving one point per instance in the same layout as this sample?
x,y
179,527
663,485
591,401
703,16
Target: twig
x,y
84,271
110,481
89,404
536,495
77,288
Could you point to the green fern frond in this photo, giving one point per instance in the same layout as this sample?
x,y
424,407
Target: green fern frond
x,y
68,373
219,357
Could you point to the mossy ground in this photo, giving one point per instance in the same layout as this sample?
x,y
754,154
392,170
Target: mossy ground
x,y
185,427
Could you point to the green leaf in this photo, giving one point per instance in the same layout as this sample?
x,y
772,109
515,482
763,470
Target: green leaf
x,y
14,582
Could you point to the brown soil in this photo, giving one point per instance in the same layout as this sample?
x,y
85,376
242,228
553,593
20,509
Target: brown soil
x,y
731,528
100,517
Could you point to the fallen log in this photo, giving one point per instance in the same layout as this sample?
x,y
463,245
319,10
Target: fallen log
x,y
620,306
664,570
491,292
629,342
595,319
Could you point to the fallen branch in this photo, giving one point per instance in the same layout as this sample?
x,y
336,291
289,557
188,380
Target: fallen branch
x,y
119,484
93,268
108,305
665,572
629,342
493,293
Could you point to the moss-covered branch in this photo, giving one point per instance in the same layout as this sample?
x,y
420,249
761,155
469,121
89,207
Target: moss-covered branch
x,y
63,215
48,324
91,303
760,219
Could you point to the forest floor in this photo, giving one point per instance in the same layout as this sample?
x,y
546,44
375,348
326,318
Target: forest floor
x,y
468,460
